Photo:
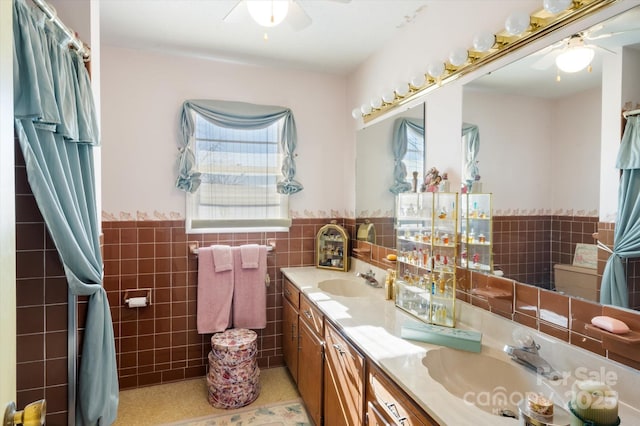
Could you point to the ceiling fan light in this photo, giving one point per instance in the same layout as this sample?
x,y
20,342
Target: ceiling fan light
x,y
268,13
575,59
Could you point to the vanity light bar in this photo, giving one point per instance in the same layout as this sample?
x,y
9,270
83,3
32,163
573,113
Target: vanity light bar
x,y
541,23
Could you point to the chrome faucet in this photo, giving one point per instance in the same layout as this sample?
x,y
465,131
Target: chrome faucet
x,y
527,355
369,277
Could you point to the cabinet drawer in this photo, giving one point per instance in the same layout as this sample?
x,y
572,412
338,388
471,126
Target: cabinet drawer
x,y
311,316
292,293
392,403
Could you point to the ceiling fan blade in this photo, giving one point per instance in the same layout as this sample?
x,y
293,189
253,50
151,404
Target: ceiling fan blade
x,y
611,34
239,13
297,17
547,61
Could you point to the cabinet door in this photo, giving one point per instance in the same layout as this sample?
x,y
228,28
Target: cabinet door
x,y
343,381
290,338
310,372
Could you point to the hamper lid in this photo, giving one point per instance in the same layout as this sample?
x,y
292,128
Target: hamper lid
x,y
233,339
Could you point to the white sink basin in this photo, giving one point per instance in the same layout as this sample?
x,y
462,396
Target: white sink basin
x,y
346,288
491,384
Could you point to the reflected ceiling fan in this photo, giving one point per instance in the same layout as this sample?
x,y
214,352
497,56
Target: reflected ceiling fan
x,y
576,52
270,13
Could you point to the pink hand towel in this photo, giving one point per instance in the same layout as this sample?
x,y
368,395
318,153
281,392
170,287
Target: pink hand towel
x,y
250,292
222,258
250,254
215,295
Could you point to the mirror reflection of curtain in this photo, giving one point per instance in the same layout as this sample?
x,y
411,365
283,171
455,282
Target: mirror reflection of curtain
x,y
404,142
627,229
470,149
56,126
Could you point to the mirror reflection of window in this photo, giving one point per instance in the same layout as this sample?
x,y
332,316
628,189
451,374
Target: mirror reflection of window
x,y
414,159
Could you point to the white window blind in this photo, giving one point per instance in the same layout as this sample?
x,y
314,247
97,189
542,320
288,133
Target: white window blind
x,y
239,173
414,158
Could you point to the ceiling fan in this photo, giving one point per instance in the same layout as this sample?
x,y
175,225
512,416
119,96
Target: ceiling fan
x,y
576,52
269,13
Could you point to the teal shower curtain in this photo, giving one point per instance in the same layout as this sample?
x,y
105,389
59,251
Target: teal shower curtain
x,y
237,115
626,245
399,146
57,128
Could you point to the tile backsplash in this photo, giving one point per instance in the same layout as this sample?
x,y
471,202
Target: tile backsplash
x,y
160,343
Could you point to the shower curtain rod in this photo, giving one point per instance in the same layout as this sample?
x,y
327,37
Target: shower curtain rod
x,y
51,13
630,113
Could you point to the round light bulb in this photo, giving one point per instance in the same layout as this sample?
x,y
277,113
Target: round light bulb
x,y
402,89
484,41
458,57
436,69
418,80
268,13
365,109
517,23
376,103
556,6
356,113
575,59
388,96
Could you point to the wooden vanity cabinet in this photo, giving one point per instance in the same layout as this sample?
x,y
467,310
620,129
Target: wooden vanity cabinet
x,y
303,348
290,329
290,338
387,404
343,381
310,361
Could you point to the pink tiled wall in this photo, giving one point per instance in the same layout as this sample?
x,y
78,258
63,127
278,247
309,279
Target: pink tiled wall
x,y
527,247
41,308
160,343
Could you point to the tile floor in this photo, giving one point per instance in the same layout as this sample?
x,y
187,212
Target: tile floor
x,y
187,399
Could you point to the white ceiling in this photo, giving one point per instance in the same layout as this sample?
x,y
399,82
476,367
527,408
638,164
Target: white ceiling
x,y
342,35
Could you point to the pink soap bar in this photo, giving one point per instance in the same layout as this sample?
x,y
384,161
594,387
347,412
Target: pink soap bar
x,y
612,325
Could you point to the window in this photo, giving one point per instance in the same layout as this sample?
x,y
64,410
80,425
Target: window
x,y
239,171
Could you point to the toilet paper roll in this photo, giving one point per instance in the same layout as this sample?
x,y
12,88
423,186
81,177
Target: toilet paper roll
x,y
137,302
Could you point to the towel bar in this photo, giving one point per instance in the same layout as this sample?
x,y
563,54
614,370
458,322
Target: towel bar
x,y
194,245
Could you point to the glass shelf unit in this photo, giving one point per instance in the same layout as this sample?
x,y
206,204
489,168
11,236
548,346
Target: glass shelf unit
x,y
427,242
332,248
476,230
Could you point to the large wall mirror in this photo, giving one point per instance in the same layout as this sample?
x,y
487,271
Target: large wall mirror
x,y
541,155
375,164
541,151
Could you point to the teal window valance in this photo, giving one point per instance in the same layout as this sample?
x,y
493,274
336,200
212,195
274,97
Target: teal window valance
x,y
236,115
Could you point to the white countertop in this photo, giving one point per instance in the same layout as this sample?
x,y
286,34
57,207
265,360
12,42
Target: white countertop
x,y
374,325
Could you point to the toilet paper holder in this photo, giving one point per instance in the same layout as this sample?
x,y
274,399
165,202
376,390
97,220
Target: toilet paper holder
x,y
134,298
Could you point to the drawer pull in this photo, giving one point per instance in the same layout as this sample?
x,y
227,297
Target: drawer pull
x,y
287,292
307,313
338,348
394,410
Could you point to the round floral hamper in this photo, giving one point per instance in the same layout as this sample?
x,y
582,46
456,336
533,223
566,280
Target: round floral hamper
x,y
233,379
